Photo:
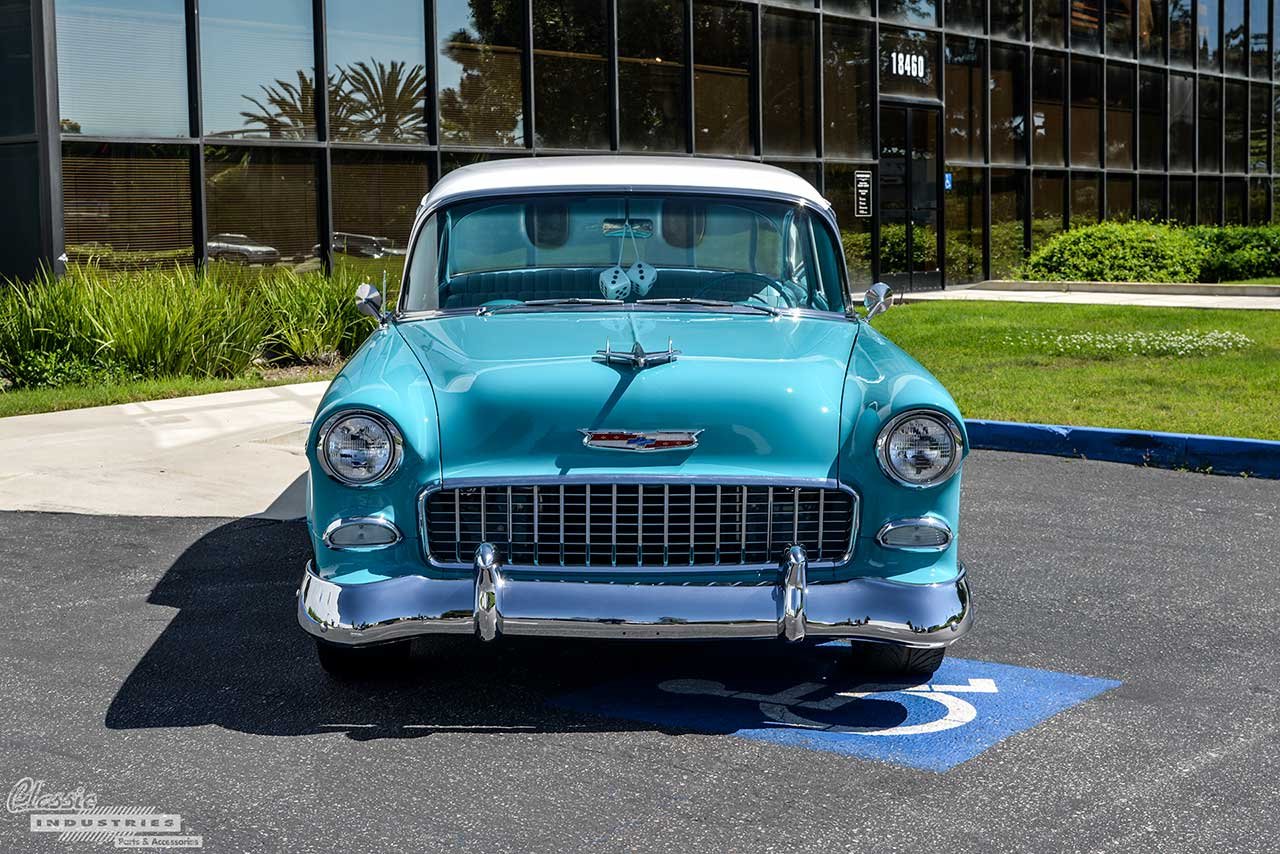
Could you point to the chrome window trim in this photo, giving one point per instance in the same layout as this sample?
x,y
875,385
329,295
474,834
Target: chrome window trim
x,y
882,447
647,480
378,521
915,522
397,446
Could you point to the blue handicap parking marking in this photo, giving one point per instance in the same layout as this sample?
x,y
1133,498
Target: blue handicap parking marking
x,y
965,708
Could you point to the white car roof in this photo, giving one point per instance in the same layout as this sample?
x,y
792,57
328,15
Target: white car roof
x,y
621,172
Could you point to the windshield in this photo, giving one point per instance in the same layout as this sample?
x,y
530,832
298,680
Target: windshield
x,y
701,250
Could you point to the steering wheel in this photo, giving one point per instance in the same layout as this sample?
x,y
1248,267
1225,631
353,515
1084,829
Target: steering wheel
x,y
753,278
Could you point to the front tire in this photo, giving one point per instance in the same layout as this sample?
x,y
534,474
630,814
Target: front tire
x,y
361,662
894,662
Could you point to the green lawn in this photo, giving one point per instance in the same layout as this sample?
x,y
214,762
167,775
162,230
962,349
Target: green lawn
x,y
1261,280
999,360
28,401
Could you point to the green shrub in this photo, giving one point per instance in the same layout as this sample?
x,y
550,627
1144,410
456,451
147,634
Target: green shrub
x,y
1238,252
1119,252
313,318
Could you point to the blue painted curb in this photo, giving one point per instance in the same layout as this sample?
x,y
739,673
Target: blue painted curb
x,y
1216,454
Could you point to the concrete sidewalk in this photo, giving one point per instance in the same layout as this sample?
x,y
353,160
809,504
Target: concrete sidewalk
x,y
1096,298
231,454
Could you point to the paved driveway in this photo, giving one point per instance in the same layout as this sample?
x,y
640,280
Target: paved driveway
x,y
156,662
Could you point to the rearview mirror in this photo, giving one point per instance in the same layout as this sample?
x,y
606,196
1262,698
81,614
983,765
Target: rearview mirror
x,y
369,301
877,299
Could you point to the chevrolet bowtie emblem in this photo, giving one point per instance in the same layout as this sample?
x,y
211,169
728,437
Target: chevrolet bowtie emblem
x,y
641,440
637,357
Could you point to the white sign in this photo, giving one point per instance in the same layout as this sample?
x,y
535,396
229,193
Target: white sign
x,y
908,65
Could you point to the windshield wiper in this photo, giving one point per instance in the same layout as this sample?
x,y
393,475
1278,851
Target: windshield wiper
x,y
710,303
536,303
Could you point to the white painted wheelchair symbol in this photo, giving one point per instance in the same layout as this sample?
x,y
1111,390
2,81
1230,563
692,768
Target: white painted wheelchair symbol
x,y
788,707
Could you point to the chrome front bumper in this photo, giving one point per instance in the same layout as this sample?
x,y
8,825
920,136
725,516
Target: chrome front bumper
x,y
491,604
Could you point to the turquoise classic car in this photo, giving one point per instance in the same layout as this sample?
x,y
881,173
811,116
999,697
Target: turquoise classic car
x,y
628,397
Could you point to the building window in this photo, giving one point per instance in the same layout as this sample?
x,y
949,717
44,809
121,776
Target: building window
x,y
1086,198
1048,82
1151,119
1120,99
790,91
1008,19
1048,206
1120,197
849,7
1086,107
847,80
1008,104
450,160
1207,207
1120,28
964,229
257,71
122,67
908,63
966,16
1258,200
1260,55
1208,34
1047,25
571,74
1151,197
723,72
377,71
1234,50
920,13
1086,25
1210,98
1182,122
127,206
17,96
964,100
1235,137
1008,220
1181,38
1235,201
651,91
1259,127
855,232
375,197
261,205
1182,201
1151,24
481,85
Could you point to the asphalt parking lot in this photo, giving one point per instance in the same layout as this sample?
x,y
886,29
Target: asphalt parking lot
x,y
156,662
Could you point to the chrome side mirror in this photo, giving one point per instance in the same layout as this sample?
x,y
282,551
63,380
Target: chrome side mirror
x,y
369,301
877,299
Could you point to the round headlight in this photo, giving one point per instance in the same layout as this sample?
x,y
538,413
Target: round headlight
x,y
919,448
359,448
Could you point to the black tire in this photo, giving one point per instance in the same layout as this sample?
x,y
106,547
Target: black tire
x,y
362,662
890,661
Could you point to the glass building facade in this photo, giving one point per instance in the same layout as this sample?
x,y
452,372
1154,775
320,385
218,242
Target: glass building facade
x,y
305,132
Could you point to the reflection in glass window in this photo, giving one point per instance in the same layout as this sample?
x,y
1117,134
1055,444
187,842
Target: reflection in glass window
x,y
1235,141
1275,200
966,16
1181,37
908,63
122,67
1086,25
257,69
261,205
1151,123
849,7
1086,109
1259,125
571,73
1047,26
807,171
790,91
1151,24
481,88
1120,197
1210,99
377,71
1086,198
1259,27
1008,218
964,99
1120,28
1258,200
1182,201
1008,19
375,197
1151,197
651,106
1008,104
1182,122
19,175
1208,34
450,160
848,67
1048,206
922,13
1235,52
855,232
1235,201
1120,99
17,96
1048,89
127,206
1208,209
964,228
723,48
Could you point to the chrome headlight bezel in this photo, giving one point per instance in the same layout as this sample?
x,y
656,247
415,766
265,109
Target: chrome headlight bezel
x,y
397,446
949,426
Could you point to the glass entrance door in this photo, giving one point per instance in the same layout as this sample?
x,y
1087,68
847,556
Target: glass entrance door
x,y
910,240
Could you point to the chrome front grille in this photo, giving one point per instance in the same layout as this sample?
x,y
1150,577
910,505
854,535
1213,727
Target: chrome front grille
x,y
638,525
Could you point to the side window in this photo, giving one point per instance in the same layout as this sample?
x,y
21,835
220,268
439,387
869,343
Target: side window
x,y
797,242
423,279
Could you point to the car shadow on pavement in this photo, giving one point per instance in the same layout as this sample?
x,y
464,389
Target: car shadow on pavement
x,y
234,656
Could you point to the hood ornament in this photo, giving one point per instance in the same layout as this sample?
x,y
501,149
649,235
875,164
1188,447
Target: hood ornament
x,y
640,440
635,358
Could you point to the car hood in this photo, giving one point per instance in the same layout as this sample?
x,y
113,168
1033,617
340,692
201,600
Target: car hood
x,y
515,390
